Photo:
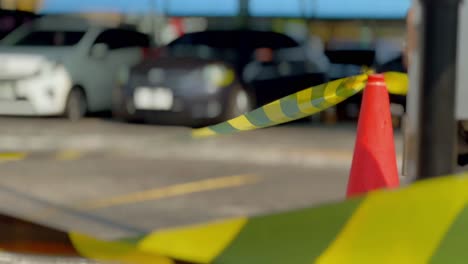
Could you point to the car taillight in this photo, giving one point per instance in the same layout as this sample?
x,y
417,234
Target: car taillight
x,y
144,52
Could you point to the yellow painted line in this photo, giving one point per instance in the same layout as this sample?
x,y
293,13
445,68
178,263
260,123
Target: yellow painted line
x,y
12,156
200,243
67,155
173,190
399,227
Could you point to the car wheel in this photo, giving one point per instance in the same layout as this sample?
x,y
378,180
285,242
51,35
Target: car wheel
x,y
123,110
77,105
119,112
240,102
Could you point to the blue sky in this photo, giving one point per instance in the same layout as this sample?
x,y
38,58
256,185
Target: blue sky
x,y
191,7
316,8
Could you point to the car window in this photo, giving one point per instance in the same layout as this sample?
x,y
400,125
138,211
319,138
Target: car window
x,y
117,39
135,39
210,39
237,39
233,46
50,38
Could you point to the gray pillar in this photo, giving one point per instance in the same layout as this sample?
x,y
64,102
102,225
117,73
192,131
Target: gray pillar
x,y
435,137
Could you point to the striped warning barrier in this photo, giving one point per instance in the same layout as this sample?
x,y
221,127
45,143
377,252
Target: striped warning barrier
x,y
424,223
302,104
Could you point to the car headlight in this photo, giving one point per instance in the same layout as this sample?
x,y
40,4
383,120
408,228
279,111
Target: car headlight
x,y
39,72
46,67
218,76
123,76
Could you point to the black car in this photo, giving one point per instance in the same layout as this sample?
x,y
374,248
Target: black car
x,y
12,19
210,76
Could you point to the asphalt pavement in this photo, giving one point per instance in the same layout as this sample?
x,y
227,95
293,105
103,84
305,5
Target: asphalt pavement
x,y
114,179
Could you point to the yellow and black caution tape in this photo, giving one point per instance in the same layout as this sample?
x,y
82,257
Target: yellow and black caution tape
x,y
397,83
303,104
424,223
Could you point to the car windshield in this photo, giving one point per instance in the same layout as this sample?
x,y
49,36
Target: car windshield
x,y
236,39
232,46
50,38
201,51
47,38
347,62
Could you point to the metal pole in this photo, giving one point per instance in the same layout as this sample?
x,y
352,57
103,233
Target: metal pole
x,y
436,133
244,14
153,16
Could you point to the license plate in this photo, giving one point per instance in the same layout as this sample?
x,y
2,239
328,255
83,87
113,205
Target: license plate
x,y
7,91
157,98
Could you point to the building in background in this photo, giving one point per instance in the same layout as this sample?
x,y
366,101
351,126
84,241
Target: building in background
x,y
356,23
16,13
22,5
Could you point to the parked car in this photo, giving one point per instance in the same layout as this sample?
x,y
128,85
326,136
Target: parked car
x,y
64,66
207,77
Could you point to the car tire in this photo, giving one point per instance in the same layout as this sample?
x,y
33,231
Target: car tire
x,y
77,104
118,109
123,110
240,102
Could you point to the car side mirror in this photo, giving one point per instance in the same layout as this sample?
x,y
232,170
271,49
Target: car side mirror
x,y
99,51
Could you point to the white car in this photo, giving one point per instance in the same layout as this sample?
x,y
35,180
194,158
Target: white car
x,y
64,66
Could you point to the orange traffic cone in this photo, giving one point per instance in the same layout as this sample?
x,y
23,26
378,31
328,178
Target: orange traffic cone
x,y
374,163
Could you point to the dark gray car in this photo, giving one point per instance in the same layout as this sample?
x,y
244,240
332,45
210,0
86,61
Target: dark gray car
x,y
207,77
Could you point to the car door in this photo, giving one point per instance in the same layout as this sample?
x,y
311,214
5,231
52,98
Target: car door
x,y
125,49
96,71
